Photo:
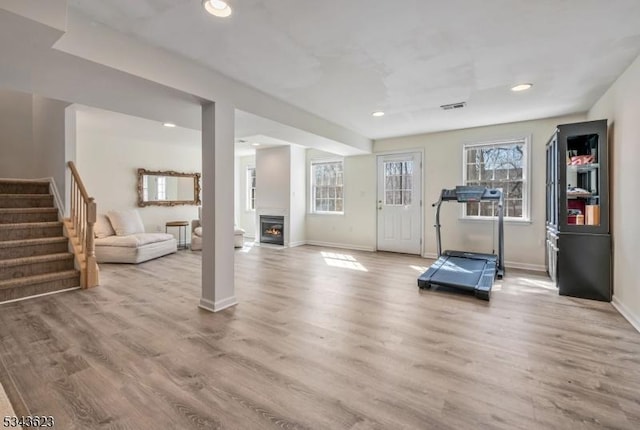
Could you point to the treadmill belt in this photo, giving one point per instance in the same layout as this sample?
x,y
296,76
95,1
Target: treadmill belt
x,y
459,272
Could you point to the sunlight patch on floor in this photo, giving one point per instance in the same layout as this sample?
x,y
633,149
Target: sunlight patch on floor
x,y
344,261
419,269
526,282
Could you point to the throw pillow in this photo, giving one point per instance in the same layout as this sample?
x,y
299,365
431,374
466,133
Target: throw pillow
x,y
198,231
126,222
102,228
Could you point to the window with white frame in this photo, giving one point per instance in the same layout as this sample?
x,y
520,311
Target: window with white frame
x,y
251,188
499,165
327,186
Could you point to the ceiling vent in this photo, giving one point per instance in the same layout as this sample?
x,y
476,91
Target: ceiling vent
x,y
451,106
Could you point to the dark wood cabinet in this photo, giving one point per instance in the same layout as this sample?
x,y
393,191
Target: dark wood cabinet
x,y
578,241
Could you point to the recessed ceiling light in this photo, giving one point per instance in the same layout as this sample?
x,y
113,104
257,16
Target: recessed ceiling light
x,y
255,144
168,124
217,8
521,87
378,113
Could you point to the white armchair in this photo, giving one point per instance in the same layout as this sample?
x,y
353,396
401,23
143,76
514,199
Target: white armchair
x,y
196,236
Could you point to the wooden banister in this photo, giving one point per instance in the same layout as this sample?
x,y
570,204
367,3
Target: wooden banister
x,y
76,175
80,228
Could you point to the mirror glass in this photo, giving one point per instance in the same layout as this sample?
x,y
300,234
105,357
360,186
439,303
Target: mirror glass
x,y
168,188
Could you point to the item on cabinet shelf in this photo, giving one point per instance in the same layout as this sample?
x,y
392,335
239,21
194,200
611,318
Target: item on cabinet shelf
x,y
592,214
577,192
572,216
580,219
578,160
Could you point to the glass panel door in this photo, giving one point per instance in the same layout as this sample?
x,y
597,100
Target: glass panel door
x,y
583,184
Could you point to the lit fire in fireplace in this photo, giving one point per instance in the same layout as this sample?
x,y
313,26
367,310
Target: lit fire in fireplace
x,y
273,231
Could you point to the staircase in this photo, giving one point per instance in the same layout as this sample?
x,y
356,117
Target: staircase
x,y
34,253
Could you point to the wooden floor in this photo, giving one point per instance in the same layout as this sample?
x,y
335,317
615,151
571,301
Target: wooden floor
x,y
321,339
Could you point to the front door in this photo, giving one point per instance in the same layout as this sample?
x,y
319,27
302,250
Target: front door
x,y
400,203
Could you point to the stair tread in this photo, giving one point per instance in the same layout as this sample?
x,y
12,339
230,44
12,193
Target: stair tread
x,y
29,242
23,181
39,224
27,210
36,259
24,196
35,279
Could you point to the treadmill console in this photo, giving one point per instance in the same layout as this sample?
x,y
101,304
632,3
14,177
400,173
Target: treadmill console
x,y
471,193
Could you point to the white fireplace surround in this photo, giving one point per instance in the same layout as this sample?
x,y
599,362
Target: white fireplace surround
x,y
274,212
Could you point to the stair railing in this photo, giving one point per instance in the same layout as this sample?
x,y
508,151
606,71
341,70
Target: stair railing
x,y
80,228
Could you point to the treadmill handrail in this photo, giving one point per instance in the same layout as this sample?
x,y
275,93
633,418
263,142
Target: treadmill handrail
x,y
437,226
499,197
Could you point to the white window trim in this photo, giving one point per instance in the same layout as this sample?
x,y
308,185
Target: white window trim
x,y
310,200
526,178
247,200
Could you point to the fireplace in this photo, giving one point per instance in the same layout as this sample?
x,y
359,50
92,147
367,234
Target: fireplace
x,y
272,229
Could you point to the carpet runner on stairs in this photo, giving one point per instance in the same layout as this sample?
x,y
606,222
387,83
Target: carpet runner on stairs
x,y
34,254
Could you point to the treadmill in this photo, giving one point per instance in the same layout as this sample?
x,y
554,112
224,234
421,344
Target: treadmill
x,y
469,271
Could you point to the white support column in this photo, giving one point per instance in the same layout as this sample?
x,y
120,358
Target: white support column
x,y
218,290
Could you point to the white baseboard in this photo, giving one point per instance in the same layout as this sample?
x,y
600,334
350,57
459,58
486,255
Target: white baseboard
x,y
210,306
508,264
298,243
56,196
525,266
633,319
340,245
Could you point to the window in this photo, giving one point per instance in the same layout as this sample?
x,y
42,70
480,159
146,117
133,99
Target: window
x,y
327,186
398,187
251,188
498,165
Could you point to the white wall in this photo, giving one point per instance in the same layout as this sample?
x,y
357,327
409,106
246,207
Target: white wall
x,y
108,164
621,106
245,218
16,140
356,228
273,165
32,137
49,138
524,242
298,208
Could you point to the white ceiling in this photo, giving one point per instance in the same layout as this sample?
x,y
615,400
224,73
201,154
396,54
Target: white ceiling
x,y
91,120
117,125
342,60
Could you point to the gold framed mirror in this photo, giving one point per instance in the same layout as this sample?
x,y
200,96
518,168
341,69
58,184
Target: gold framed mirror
x,y
168,188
